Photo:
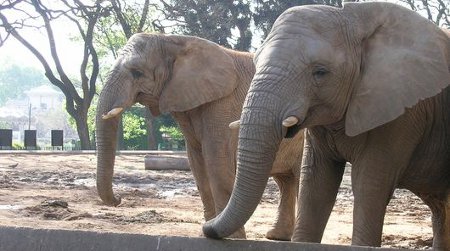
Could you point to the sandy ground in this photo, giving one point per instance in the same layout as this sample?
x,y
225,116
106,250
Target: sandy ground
x,y
58,191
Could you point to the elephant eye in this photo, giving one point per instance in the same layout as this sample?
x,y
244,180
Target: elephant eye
x,y
136,73
320,72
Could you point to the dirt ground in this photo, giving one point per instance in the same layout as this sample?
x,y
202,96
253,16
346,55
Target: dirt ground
x,y
58,191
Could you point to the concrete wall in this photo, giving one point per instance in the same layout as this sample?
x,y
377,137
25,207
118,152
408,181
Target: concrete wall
x,y
28,239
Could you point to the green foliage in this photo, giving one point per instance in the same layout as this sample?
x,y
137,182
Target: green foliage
x,y
5,125
173,132
228,23
173,138
214,20
109,38
15,79
164,120
18,146
133,126
135,129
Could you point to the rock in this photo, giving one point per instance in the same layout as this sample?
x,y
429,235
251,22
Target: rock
x,y
55,203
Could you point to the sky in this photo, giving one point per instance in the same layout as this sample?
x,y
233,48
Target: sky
x,y
70,52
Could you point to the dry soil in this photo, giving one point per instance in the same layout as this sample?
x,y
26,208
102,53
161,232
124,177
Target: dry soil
x,y
58,191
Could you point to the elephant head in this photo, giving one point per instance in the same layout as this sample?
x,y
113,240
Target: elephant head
x,y
164,73
358,66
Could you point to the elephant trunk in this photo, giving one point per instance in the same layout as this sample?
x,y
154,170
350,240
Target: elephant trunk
x,y
260,134
107,121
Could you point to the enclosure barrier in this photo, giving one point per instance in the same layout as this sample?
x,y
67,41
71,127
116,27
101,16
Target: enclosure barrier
x,y
5,139
29,140
12,239
93,152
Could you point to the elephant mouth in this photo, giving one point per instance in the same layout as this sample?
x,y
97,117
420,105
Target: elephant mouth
x,y
292,131
151,102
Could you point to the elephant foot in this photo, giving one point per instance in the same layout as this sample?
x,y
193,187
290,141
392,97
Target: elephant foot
x,y
279,234
240,234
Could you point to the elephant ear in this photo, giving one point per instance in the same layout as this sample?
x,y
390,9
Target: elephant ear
x,y
202,72
404,60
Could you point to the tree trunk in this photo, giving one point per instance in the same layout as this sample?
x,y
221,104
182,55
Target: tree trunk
x,y
83,131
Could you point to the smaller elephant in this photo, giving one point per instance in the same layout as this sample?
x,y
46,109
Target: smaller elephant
x,y
203,86
370,82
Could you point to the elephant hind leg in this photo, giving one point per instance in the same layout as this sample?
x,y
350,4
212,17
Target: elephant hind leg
x,y
283,227
440,209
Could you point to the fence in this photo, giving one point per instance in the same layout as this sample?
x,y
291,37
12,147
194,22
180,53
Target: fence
x,y
30,142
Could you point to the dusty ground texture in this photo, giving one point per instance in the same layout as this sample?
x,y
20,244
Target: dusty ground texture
x,y
58,191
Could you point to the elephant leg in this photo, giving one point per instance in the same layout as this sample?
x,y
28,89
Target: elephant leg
x,y
197,166
440,209
319,184
283,227
372,189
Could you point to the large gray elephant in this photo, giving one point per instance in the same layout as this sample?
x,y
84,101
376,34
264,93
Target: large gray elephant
x,y
369,81
203,86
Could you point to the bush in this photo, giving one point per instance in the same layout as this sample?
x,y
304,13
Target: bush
x,y
17,146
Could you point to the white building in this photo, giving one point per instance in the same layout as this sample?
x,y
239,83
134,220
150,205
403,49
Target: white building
x,y
44,97
40,109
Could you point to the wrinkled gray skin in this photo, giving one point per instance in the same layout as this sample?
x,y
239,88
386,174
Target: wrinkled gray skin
x,y
203,86
348,74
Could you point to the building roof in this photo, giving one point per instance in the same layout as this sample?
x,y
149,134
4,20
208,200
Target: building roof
x,y
43,90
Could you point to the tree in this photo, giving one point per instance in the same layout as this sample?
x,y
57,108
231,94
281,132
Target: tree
x,y
436,11
227,23
114,31
36,14
266,12
134,131
213,20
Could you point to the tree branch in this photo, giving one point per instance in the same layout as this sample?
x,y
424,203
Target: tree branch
x,y
427,8
143,16
8,4
123,22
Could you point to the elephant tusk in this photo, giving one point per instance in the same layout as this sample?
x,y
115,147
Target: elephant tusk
x,y
113,113
234,124
290,121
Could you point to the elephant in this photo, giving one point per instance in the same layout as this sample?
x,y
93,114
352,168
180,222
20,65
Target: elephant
x,y
369,84
203,86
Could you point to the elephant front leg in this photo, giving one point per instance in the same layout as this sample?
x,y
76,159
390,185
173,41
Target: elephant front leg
x,y
197,166
372,189
283,227
320,178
